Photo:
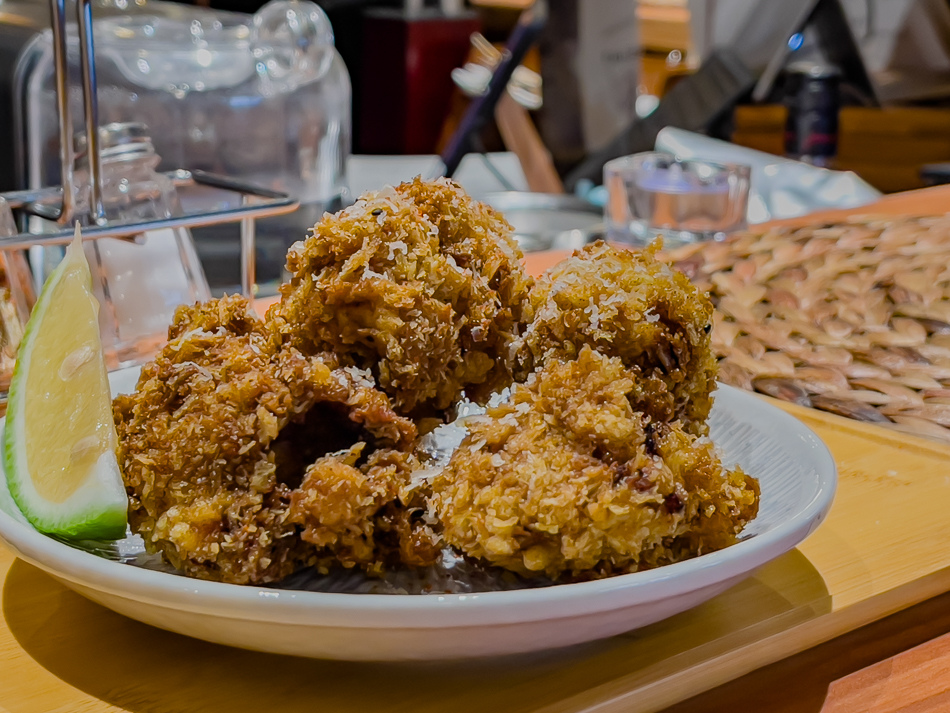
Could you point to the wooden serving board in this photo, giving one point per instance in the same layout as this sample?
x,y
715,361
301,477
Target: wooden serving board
x,y
884,546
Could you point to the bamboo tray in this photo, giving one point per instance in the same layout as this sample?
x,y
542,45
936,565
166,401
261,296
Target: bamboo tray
x,y
882,548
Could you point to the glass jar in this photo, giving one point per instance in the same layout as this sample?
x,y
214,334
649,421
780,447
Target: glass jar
x,y
132,189
263,98
139,282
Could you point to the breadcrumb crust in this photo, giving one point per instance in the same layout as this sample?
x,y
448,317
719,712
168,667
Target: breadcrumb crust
x,y
629,305
419,284
214,488
252,448
566,478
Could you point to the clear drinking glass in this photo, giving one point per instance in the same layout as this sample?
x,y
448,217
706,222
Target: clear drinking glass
x,y
656,194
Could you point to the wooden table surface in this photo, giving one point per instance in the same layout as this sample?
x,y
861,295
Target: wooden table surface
x,y
901,663
59,652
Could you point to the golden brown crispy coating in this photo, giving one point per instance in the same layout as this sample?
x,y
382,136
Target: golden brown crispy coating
x,y
566,478
214,443
420,285
367,515
629,305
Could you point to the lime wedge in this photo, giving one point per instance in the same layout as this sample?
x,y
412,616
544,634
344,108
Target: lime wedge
x,y
59,441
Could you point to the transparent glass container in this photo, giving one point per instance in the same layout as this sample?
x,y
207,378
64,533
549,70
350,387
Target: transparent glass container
x,y
655,194
132,189
262,98
138,282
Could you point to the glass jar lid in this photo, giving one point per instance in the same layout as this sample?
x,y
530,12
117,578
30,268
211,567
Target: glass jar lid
x,y
119,141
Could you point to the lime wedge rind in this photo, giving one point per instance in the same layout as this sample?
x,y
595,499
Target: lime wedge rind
x,y
97,508
8,504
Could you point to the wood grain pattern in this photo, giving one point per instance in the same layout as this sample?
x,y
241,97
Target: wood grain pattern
x,y
815,673
881,549
913,680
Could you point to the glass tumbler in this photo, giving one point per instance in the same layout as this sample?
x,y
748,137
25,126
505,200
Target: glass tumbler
x,y
655,194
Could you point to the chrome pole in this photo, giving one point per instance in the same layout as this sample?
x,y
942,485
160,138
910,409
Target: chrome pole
x,y
248,253
90,100
58,20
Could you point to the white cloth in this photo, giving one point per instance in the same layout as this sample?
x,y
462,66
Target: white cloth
x,y
780,188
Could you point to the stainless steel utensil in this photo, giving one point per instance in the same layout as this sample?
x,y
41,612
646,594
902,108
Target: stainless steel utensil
x,y
548,221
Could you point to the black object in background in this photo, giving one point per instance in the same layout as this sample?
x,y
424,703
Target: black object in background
x,y
13,41
482,108
559,118
835,42
346,18
935,174
813,100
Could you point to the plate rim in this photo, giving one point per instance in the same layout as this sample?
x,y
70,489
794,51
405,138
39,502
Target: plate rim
x,y
560,601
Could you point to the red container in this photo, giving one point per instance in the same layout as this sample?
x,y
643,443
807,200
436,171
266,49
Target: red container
x,y
406,77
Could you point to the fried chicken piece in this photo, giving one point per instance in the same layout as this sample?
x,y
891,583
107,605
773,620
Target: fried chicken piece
x,y
629,305
420,285
367,515
567,479
214,443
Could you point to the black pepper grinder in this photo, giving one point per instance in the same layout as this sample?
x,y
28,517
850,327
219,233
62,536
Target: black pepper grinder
x,y
813,100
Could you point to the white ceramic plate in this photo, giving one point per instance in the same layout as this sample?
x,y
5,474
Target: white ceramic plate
x,y
797,476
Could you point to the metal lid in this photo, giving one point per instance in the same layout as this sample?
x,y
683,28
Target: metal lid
x,y
813,70
117,141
